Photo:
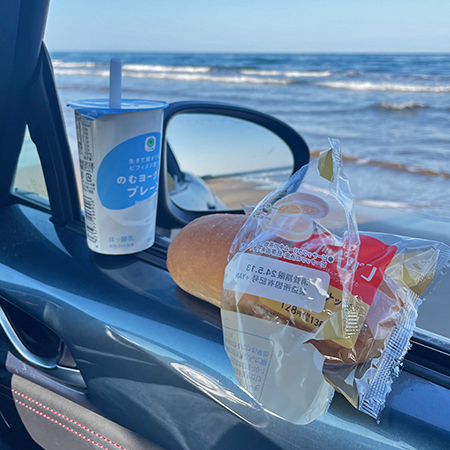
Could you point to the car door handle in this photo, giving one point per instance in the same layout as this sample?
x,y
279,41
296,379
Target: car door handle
x,y
48,365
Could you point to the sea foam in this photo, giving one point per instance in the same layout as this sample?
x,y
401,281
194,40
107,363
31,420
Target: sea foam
x,y
161,68
288,73
370,86
407,106
243,79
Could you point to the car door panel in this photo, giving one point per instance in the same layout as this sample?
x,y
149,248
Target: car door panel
x,y
128,368
55,422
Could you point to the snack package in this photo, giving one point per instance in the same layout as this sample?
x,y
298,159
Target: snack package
x,y
406,269
304,294
288,281
307,221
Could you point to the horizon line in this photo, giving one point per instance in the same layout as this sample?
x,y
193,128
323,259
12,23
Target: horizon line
x,y
259,52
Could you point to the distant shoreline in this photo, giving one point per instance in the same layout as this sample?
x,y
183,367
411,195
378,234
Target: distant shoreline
x,y
183,52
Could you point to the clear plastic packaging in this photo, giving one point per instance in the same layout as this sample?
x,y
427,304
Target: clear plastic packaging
x,y
305,294
366,372
298,243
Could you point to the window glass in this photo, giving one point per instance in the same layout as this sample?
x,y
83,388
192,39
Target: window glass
x,y
29,175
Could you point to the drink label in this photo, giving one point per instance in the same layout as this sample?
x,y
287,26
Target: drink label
x,y
129,173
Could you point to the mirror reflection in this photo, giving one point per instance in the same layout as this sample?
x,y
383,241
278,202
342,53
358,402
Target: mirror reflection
x,y
217,162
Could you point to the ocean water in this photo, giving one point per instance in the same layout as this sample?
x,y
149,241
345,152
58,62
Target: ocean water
x,y
390,112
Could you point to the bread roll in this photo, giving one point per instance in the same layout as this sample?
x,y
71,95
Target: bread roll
x,y
198,256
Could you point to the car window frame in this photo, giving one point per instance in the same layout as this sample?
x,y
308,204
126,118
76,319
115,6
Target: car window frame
x,y
47,130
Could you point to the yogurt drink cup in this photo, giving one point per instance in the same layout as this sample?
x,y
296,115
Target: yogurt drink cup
x,y
119,151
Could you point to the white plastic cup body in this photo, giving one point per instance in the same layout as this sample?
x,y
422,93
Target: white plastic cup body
x,y
120,162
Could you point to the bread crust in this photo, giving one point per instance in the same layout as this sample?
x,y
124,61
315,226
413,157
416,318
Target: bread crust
x,y
198,254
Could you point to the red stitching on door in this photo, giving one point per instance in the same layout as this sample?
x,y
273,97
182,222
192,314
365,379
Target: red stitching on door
x,y
60,424
65,418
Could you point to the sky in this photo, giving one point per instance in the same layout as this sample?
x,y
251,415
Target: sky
x,y
294,26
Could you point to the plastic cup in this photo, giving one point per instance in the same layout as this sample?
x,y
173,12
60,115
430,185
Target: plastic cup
x,y
119,151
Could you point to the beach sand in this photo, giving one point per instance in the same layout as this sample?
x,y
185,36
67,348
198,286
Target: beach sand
x,y
233,191
31,179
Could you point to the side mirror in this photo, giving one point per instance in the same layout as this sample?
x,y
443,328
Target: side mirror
x,y
216,157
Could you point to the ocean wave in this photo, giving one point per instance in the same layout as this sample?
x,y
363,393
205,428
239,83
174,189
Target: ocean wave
x,y
407,106
98,73
385,204
178,76
203,77
369,86
133,67
434,211
160,68
390,165
287,73
62,64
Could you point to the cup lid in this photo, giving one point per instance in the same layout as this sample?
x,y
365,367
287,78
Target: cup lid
x,y
94,108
